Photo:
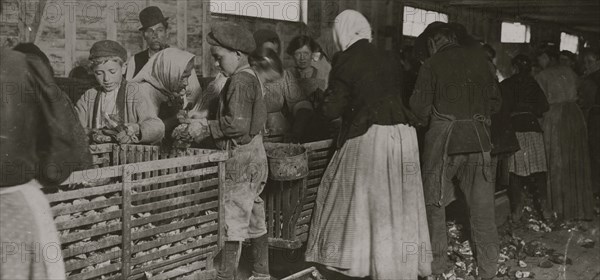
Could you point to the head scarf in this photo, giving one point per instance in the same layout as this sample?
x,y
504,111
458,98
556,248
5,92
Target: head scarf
x,y
349,27
164,70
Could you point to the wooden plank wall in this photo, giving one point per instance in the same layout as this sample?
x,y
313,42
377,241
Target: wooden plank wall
x,y
68,28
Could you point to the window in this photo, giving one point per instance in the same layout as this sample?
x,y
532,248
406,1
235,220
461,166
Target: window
x,y
415,20
569,42
515,32
288,10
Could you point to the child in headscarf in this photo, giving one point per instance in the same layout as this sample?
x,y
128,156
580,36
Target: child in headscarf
x,y
164,79
370,202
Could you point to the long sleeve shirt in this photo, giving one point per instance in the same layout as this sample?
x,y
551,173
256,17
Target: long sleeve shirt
x,y
133,105
242,112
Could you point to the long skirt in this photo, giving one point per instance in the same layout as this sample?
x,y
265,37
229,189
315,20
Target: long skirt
x,y
30,245
531,158
569,175
370,217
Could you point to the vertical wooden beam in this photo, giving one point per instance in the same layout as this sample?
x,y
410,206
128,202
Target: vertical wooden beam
x,y
126,221
70,39
110,20
221,239
206,57
37,20
400,23
389,40
182,24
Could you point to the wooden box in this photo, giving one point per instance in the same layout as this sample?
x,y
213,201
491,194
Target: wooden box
x,y
152,215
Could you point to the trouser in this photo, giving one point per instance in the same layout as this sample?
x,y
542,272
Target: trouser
x,y
536,184
468,169
594,140
259,258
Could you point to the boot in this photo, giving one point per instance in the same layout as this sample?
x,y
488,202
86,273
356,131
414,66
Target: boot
x,y
230,258
259,257
515,195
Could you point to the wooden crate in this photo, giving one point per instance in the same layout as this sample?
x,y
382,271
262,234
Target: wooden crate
x,y
157,218
289,205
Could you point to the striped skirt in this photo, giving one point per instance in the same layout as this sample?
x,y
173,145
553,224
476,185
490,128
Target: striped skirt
x,y
369,218
532,156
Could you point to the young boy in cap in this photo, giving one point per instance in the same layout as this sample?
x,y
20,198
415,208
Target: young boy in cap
x,y
112,111
241,117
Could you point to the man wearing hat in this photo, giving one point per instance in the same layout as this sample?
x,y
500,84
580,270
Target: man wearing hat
x,y
155,31
456,93
241,118
112,111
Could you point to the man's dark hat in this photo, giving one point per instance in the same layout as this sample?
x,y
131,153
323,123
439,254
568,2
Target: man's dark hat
x,y
151,16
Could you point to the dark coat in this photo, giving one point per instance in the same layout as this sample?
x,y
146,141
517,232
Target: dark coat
x,y
364,90
525,101
456,84
40,136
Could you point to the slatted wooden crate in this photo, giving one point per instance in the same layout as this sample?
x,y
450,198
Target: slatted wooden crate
x,y
157,218
289,205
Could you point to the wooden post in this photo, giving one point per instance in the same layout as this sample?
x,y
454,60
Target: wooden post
x,y
126,222
221,240
206,57
70,38
182,24
37,20
111,21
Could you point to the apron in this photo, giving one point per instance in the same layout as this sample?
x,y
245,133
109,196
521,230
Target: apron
x,y
45,233
245,178
445,194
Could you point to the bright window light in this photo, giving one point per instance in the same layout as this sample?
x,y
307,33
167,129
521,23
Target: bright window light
x,y
569,42
515,32
288,10
415,20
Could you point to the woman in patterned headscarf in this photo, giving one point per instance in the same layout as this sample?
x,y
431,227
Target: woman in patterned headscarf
x,y
165,79
370,207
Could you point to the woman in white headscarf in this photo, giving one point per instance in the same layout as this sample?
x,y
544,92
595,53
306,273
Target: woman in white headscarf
x,y
165,79
369,218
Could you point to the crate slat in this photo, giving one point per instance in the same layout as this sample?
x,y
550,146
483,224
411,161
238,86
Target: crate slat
x,y
180,161
176,249
70,195
96,259
91,247
174,213
175,189
97,272
88,220
72,237
138,272
174,238
175,176
174,201
181,268
57,211
170,227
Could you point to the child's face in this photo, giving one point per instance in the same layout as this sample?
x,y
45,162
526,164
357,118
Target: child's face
x,y
109,75
227,61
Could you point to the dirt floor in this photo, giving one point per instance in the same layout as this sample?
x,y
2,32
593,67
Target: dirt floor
x,y
530,249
